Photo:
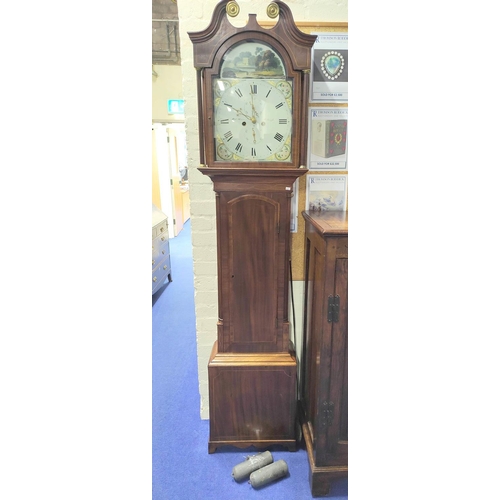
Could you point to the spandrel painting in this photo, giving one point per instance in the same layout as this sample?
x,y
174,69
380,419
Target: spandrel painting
x,y
252,60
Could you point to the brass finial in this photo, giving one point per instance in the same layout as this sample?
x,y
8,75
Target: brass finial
x,y
273,10
232,9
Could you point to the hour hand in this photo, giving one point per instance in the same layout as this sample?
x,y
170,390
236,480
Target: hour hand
x,y
251,118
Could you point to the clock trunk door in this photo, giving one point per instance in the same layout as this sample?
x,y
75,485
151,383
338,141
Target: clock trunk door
x,y
252,273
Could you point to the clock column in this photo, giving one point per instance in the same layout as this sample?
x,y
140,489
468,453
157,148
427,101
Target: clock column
x,y
252,85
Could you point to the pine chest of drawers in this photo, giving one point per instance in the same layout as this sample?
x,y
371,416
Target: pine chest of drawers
x,y
161,250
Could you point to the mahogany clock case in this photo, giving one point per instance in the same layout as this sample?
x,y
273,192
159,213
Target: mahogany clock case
x,y
252,369
253,246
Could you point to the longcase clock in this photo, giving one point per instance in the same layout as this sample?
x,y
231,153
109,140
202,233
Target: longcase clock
x,y
252,103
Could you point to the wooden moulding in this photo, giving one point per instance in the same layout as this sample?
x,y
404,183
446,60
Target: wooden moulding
x,y
236,359
248,179
328,222
320,478
220,30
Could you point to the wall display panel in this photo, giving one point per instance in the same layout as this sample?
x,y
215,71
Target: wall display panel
x,y
328,138
326,193
329,68
297,243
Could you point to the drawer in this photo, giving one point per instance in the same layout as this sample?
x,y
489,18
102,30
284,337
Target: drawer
x,y
159,257
162,237
160,273
160,242
162,228
160,249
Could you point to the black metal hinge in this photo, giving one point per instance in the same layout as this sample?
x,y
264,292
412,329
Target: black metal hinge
x,y
333,308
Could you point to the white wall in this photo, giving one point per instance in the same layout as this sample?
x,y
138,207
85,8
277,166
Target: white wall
x,y
195,15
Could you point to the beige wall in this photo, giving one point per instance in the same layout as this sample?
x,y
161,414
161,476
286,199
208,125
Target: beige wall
x,y
167,85
195,15
156,178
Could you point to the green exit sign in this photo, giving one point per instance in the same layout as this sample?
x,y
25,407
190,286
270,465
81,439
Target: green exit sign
x,y
176,106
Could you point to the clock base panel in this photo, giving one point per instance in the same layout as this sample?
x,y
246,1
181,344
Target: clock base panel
x,y
253,400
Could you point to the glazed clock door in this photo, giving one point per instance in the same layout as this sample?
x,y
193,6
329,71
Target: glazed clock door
x,y
253,106
253,246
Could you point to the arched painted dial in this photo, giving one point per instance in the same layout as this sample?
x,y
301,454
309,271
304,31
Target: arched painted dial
x,y
253,119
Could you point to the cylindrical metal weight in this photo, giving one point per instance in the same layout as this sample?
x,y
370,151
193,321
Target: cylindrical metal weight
x,y
268,473
244,469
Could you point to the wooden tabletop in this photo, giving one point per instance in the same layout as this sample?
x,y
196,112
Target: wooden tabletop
x,y
328,222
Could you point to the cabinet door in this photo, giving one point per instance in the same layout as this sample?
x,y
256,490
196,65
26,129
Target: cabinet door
x,y
324,389
332,411
252,247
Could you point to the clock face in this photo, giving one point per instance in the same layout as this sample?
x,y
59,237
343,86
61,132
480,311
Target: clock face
x,y
252,119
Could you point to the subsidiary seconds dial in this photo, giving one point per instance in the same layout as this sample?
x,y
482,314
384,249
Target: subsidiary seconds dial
x,y
252,119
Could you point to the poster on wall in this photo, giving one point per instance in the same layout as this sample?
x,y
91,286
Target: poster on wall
x,y
326,192
327,139
329,68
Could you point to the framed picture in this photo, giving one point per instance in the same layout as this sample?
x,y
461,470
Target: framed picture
x,y
326,192
329,68
327,138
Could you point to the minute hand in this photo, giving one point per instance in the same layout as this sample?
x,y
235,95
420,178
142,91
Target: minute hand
x,y
254,111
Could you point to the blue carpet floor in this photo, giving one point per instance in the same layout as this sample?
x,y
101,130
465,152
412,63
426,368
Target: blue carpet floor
x,y
182,468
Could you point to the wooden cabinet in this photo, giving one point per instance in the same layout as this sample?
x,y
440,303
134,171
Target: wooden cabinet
x,y
161,250
323,391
